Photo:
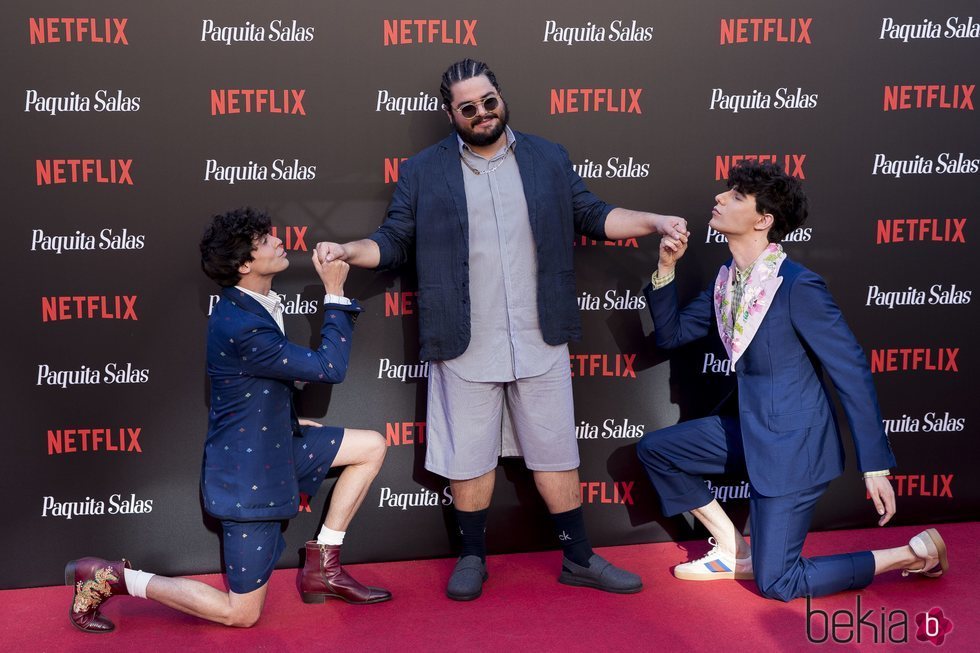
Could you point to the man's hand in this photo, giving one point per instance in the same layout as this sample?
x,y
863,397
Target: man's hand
x,y
671,225
883,496
671,251
333,274
331,252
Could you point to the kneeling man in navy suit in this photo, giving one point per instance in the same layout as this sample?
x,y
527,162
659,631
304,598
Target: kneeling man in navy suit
x,y
782,331
258,456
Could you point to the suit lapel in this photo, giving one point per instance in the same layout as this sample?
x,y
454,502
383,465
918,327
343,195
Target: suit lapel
x,y
723,305
758,299
525,164
760,287
246,303
453,171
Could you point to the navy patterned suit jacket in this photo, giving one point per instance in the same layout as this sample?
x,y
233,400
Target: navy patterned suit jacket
x,y
248,472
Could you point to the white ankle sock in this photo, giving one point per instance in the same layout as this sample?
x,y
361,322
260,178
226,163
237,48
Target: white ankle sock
x,y
136,582
327,536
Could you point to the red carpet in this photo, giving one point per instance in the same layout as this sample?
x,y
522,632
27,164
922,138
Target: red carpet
x,y
523,608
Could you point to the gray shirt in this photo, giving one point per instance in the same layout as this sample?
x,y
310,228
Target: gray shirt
x,y
505,342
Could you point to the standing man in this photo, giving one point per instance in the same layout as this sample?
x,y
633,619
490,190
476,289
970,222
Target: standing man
x,y
782,330
495,211
258,457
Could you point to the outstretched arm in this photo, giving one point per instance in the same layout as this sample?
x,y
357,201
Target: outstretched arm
x,y
362,253
625,223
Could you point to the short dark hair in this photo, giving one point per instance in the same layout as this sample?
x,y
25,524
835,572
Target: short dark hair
x,y
228,242
461,70
775,192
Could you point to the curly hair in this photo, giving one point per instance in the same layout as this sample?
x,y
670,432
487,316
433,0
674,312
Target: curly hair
x,y
228,242
462,70
775,192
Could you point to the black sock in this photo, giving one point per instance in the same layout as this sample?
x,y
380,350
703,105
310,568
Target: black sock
x,y
570,527
473,529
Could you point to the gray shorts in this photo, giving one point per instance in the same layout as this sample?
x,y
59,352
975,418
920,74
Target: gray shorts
x,y
471,424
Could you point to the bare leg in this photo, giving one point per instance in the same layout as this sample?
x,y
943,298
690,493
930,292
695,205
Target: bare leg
x,y
715,519
201,600
561,491
361,454
901,557
473,494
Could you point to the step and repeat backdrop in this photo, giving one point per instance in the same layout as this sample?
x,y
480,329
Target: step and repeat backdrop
x,y
127,125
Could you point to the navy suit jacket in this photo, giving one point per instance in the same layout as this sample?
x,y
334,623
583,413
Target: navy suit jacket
x,y
789,429
428,213
248,472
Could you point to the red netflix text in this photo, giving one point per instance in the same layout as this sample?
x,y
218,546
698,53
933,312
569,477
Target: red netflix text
x,y
907,359
88,307
288,101
83,171
122,439
427,31
763,30
792,163
110,31
610,100
904,230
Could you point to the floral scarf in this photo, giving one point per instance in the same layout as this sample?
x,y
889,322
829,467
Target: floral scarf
x,y
737,325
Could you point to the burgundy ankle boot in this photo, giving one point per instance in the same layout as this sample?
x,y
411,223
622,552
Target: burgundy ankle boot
x,y
95,581
324,578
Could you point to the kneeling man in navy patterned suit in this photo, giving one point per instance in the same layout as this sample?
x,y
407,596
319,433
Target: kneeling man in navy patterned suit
x,y
782,331
258,456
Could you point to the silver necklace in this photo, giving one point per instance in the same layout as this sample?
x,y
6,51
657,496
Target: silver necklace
x,y
488,170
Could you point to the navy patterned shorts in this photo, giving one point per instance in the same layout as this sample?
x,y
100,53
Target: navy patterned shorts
x,y
251,549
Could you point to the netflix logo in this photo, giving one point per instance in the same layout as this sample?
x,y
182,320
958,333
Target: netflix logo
x,y
911,359
616,365
792,163
422,31
88,307
124,439
287,101
921,485
398,303
907,230
735,31
83,171
293,237
605,492
929,96
391,169
110,31
595,100
399,433
585,241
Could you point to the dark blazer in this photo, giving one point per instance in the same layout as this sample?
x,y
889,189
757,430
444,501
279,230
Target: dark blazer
x,y
428,213
789,429
248,472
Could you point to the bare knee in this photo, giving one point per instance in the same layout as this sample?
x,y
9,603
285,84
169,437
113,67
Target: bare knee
x,y
242,616
377,449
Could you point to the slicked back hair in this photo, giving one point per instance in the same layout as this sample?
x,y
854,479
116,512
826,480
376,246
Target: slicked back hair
x,y
462,70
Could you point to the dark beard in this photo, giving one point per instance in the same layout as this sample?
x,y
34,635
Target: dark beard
x,y
481,140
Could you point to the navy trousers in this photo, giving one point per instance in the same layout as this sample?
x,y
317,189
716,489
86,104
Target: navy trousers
x,y
675,459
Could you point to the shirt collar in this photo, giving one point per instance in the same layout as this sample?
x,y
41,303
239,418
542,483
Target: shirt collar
x,y
511,142
271,302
